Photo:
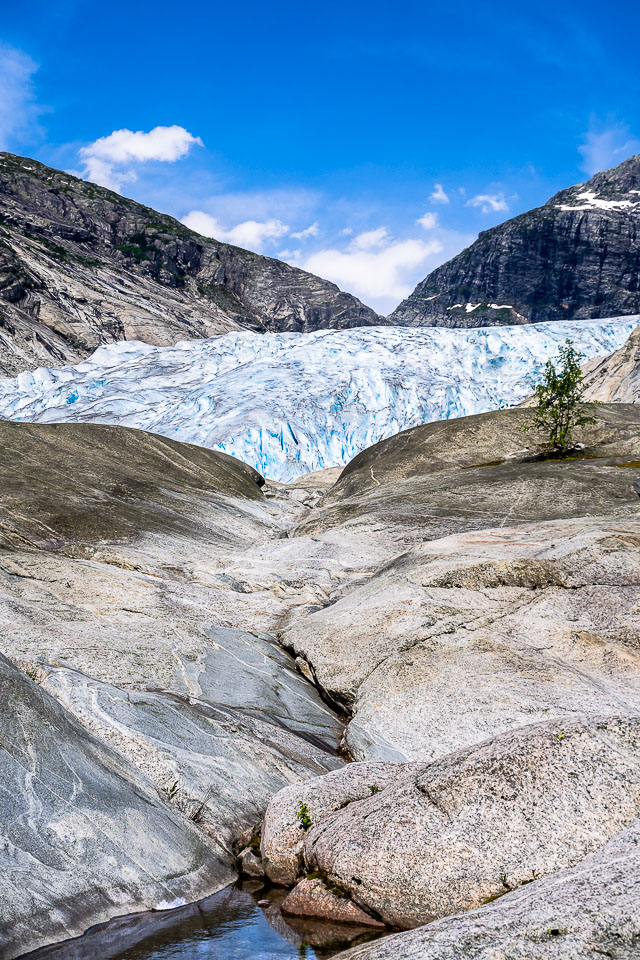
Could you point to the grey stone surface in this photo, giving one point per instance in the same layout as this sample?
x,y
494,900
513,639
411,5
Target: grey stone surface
x,y
616,378
85,835
81,266
590,910
576,257
283,834
221,764
463,637
113,597
484,820
507,577
438,596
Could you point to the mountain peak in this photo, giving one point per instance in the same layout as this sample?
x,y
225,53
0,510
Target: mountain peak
x,y
575,258
81,266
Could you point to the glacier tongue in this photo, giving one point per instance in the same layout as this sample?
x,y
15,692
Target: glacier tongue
x,y
289,403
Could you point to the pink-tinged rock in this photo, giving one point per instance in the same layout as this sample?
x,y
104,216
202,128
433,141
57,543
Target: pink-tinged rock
x,y
311,898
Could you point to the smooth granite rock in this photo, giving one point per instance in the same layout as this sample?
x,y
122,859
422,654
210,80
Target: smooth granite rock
x,y
462,638
113,598
85,836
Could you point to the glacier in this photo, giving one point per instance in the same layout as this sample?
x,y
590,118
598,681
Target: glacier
x,y
291,403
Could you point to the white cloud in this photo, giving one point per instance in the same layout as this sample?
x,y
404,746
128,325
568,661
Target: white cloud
x,y
370,239
311,231
251,234
489,202
429,221
607,148
111,161
438,195
18,109
381,274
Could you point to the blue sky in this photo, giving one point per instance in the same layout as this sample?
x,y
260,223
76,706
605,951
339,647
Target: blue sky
x,y
319,133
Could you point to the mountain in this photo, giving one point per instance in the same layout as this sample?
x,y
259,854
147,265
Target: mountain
x,y
81,266
575,258
291,405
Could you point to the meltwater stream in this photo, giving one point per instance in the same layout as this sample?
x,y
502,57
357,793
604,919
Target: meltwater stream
x,y
227,926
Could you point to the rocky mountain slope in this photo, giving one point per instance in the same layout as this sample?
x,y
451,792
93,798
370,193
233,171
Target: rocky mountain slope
x,y
575,258
470,606
81,266
287,404
616,378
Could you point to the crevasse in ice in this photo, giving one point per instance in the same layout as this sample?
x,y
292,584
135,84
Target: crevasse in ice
x,y
289,403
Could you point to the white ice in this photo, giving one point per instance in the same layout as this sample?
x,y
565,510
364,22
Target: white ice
x,y
289,403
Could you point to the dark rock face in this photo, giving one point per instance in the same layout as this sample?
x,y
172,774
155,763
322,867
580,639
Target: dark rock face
x,y
575,258
81,266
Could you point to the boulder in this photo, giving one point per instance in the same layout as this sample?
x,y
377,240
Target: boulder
x,y
251,865
313,898
451,835
283,829
590,910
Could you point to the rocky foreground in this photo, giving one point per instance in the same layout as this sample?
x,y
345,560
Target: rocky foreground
x,y
187,649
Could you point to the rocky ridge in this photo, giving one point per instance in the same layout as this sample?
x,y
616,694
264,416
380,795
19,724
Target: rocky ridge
x,y
575,258
81,266
615,378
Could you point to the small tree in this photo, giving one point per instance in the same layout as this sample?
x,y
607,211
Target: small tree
x,y
560,408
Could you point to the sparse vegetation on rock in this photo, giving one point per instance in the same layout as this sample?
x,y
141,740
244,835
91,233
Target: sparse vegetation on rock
x,y
560,408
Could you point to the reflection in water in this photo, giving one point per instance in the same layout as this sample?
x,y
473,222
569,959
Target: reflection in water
x,y
226,926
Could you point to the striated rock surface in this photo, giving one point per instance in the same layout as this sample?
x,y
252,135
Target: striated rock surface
x,y
590,910
113,597
577,257
471,607
81,266
85,835
615,378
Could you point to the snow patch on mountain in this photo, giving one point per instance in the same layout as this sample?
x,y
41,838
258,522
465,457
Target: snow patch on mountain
x,y
289,403
591,202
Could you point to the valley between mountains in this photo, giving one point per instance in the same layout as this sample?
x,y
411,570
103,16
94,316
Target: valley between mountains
x,y
399,693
